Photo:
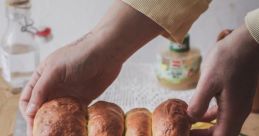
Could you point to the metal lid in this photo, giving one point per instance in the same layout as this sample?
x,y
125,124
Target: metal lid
x,y
181,47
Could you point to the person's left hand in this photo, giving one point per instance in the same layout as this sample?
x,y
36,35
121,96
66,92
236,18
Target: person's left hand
x,y
229,73
85,68
76,70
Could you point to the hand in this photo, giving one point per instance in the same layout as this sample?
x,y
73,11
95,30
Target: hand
x,y
229,73
70,71
85,68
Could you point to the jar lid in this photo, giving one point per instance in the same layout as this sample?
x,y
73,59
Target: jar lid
x,y
17,3
181,47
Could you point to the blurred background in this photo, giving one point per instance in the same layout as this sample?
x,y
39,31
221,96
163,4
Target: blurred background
x,y
70,19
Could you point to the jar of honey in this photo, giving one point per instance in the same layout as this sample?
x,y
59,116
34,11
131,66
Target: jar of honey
x,y
178,66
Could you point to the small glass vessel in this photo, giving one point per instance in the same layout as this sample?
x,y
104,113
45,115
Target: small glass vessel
x,y
178,67
19,52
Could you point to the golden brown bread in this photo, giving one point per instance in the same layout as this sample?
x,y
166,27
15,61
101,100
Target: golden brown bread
x,y
170,119
66,117
60,117
105,119
138,122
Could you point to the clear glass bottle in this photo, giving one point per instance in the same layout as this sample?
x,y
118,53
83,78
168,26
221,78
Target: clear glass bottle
x,y
19,52
178,66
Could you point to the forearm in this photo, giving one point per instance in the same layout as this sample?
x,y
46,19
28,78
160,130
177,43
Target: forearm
x,y
122,31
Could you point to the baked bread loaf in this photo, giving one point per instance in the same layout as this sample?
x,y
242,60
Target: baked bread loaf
x,y
170,119
138,122
60,117
67,117
105,119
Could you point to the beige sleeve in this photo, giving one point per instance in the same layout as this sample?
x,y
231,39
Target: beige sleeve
x,y
175,16
252,23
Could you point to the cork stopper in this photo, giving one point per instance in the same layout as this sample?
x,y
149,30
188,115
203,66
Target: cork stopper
x,y
17,3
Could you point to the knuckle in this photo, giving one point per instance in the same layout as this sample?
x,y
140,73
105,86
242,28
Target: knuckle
x,y
53,68
22,106
38,95
29,87
38,72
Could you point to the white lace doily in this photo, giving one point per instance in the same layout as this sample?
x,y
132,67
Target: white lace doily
x,y
137,86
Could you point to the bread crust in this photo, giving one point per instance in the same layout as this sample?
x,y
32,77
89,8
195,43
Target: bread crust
x,y
67,117
105,119
138,122
60,117
170,119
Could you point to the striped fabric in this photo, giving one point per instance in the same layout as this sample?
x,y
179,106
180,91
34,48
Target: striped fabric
x,y
252,23
175,16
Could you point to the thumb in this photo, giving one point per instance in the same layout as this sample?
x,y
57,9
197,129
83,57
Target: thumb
x,y
39,93
207,88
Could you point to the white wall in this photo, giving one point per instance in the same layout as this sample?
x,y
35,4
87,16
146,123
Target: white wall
x,y
70,19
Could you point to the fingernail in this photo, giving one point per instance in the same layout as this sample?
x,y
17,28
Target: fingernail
x,y
31,108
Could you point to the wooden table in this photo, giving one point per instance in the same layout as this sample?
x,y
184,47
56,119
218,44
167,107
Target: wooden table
x,y
9,107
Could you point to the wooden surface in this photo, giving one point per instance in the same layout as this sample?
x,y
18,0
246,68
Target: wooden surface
x,y
9,107
251,126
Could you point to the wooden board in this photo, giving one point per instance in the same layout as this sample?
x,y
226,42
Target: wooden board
x,y
251,126
8,109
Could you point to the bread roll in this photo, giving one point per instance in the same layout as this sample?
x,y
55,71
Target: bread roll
x,y
138,122
170,119
60,117
105,119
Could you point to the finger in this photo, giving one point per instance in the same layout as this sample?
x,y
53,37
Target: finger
x,y
38,96
232,115
210,115
206,89
202,132
27,91
29,130
39,93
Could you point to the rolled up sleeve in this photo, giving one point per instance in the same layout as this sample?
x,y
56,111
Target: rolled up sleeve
x,y
252,24
175,16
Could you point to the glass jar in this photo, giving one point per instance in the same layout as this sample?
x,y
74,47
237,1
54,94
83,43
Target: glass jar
x,y
19,52
179,66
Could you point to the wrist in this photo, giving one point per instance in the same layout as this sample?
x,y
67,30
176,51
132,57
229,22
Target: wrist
x,y
242,38
241,44
123,31
250,39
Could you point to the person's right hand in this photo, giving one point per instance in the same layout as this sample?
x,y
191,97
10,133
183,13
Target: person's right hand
x,y
230,74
